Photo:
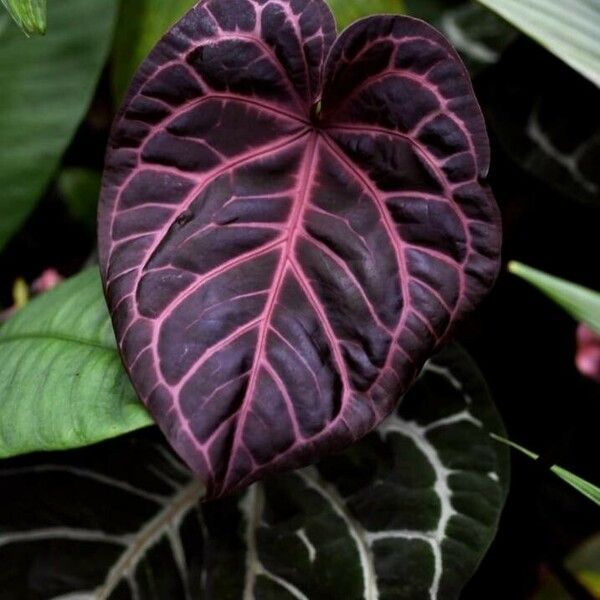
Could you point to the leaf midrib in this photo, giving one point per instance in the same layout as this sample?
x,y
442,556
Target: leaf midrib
x,y
57,337
186,497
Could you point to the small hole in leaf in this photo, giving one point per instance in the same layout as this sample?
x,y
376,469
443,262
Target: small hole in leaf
x,y
184,218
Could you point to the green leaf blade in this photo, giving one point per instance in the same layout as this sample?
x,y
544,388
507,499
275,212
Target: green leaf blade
x,y
584,487
47,85
61,380
581,303
588,489
79,189
567,29
29,15
406,512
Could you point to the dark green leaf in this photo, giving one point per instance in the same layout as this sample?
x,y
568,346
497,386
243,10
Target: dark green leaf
x,y
407,513
552,131
79,189
46,87
348,11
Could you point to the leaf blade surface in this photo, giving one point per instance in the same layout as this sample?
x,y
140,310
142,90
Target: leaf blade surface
x,y
272,293
47,85
372,512
61,381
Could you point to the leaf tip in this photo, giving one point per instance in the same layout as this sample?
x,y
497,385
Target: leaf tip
x,y
29,15
515,267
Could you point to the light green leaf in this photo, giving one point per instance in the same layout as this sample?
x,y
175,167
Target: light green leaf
x,y
567,28
348,11
62,384
589,490
404,514
141,24
29,15
581,303
46,85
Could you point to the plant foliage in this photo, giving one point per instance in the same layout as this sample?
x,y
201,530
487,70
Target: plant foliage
x,y
405,513
289,225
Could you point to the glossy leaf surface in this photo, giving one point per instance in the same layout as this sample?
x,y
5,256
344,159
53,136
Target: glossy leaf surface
x,y
406,513
61,381
46,84
284,239
551,131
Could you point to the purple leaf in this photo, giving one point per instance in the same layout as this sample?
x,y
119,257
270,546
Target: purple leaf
x,y
281,255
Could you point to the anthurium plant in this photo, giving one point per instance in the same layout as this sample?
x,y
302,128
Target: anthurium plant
x,y
248,251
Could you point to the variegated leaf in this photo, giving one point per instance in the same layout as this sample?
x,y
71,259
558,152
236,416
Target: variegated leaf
x,y
406,513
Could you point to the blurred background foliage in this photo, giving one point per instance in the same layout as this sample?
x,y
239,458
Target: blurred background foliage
x,y
536,70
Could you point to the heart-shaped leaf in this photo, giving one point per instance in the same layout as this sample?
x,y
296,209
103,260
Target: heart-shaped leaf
x,y
289,226
406,513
